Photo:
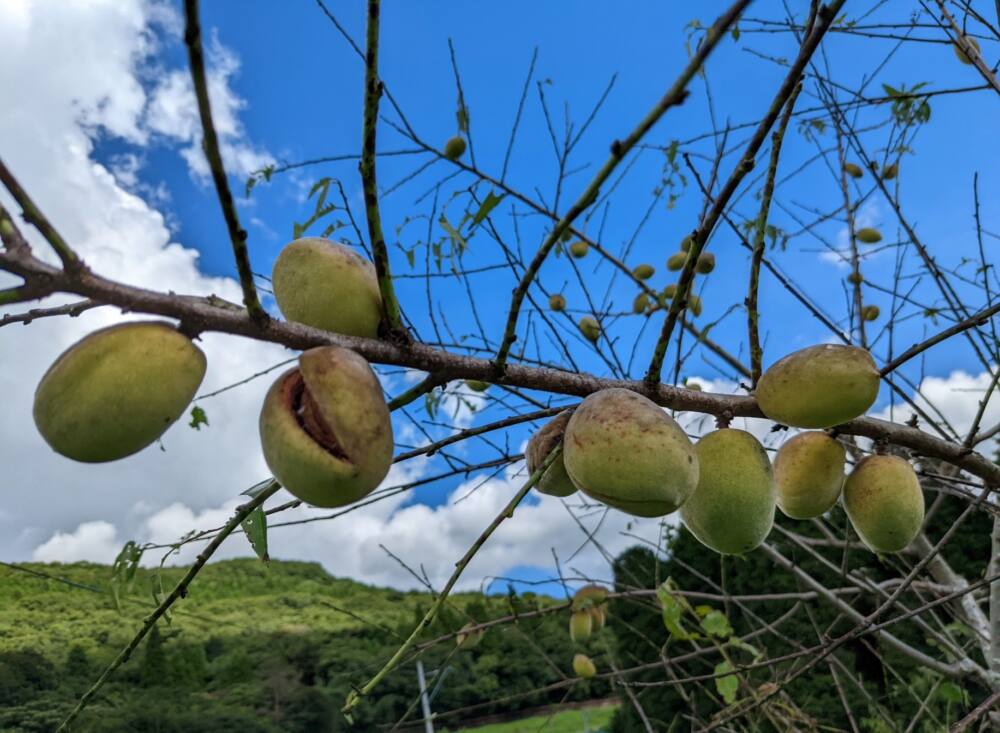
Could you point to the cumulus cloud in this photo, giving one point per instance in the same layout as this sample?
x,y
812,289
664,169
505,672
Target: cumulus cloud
x,y
96,541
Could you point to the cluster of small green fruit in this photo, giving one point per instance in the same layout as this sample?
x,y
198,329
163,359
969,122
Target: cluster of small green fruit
x,y
588,614
623,450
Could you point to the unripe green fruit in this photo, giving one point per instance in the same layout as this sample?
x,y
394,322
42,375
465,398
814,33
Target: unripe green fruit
x,y
583,666
566,235
808,475
469,636
855,278
668,293
870,312
117,390
590,329
705,263
555,481
557,302
694,305
868,235
327,285
884,502
640,304
961,55
625,451
732,509
600,616
579,249
853,170
477,385
325,428
819,386
581,625
676,261
686,243
454,148
643,272
592,599
890,171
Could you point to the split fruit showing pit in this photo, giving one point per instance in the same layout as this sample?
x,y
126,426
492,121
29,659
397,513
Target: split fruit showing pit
x,y
732,509
117,390
809,475
884,502
593,600
625,451
327,285
819,386
555,481
325,428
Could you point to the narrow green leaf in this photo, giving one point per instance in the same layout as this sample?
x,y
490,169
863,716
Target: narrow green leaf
x,y
255,528
489,203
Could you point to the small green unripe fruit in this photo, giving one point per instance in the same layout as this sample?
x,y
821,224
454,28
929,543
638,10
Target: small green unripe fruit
x,y
961,55
592,599
668,293
732,509
327,285
557,302
583,666
884,502
705,263
694,305
476,385
686,243
643,272
855,278
819,386
454,148
117,390
555,481
590,329
890,171
581,625
566,235
870,312
640,304
469,636
625,451
676,261
579,249
808,475
325,428
869,235
853,170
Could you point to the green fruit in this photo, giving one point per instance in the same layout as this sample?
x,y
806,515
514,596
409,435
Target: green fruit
x,y
961,55
853,170
581,625
868,235
640,304
117,390
890,171
819,386
732,509
870,312
590,329
686,243
600,616
705,263
592,599
884,502
625,451
855,278
327,285
454,148
476,385
555,481
694,305
668,293
566,235
688,384
676,261
643,272
583,666
469,636
325,428
808,475
557,302
579,249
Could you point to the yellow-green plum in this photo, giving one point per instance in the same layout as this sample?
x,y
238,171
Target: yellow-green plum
x,y
477,385
590,328
853,170
117,390
592,599
732,509
583,666
819,386
643,272
581,625
705,263
469,636
676,261
962,55
327,285
454,148
579,249
640,304
325,428
884,502
868,235
555,481
622,449
809,474
557,302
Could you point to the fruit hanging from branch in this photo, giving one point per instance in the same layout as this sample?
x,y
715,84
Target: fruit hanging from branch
x,y
809,474
884,502
555,481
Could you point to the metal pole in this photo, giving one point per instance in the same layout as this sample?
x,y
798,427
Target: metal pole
x,y
425,704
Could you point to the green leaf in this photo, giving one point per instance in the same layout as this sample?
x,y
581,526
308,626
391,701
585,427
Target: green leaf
x,y
198,418
950,692
737,643
462,117
258,487
672,151
673,611
123,571
456,236
156,583
716,624
255,528
489,203
728,685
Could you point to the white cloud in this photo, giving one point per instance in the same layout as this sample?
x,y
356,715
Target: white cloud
x,y
96,541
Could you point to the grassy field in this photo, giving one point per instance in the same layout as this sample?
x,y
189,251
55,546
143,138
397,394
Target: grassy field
x,y
592,720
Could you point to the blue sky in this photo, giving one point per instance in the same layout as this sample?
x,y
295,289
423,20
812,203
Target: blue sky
x,y
301,85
